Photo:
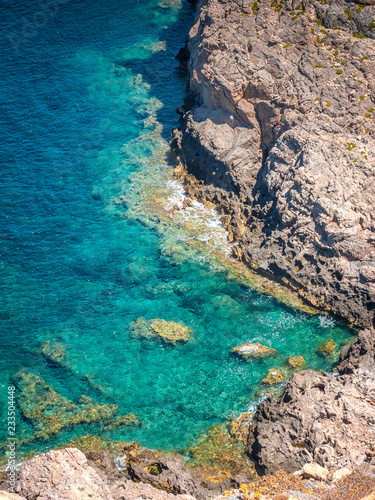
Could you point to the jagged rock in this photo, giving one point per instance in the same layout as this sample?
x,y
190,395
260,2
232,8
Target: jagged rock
x,y
254,351
277,130
63,475
170,474
326,349
360,355
128,490
321,418
169,331
68,475
273,377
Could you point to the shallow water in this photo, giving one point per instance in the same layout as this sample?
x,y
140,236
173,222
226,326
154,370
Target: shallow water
x,y
88,101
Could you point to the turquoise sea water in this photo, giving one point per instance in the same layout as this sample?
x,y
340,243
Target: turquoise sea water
x,y
88,92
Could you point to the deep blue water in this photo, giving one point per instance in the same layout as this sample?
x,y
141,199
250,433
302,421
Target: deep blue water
x,y
88,100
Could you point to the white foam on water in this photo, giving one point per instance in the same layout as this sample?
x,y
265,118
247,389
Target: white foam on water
x,y
326,321
207,224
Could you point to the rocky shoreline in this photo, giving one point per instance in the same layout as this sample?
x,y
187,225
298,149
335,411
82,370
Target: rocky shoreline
x,y
277,131
317,439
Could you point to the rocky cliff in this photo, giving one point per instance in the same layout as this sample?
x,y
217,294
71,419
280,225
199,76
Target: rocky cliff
x,y
321,418
278,131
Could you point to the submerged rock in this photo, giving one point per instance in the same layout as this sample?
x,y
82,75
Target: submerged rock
x,y
296,363
328,348
321,418
49,412
55,352
169,331
274,376
241,427
217,456
254,351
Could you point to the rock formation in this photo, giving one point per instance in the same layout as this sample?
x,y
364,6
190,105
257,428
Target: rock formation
x,y
322,418
254,351
278,131
67,475
170,332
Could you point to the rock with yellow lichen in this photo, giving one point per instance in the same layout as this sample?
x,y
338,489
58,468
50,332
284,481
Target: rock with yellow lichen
x,y
273,377
253,351
168,331
296,362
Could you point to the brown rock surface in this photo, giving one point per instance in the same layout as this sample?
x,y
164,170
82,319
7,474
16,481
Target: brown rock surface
x,y
278,129
61,474
321,418
66,475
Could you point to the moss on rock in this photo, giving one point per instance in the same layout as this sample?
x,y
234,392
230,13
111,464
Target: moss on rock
x,y
296,362
218,456
327,348
49,412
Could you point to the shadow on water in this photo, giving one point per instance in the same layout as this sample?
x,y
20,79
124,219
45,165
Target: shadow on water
x,y
163,72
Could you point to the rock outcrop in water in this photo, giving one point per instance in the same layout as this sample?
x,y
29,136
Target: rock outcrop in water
x,y
278,131
321,418
170,332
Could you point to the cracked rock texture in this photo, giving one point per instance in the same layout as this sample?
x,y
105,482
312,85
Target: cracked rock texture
x,y
278,131
321,418
67,475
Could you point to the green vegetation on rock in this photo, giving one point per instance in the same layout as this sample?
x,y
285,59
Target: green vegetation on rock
x,y
49,412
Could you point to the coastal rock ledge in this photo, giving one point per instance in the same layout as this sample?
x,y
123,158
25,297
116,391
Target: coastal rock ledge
x,y
321,418
278,131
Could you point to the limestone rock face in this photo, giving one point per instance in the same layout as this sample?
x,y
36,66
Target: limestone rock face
x,y
5,495
321,418
250,351
278,130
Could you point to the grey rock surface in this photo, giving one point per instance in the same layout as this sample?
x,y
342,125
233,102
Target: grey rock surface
x,y
66,475
322,418
278,131
63,475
